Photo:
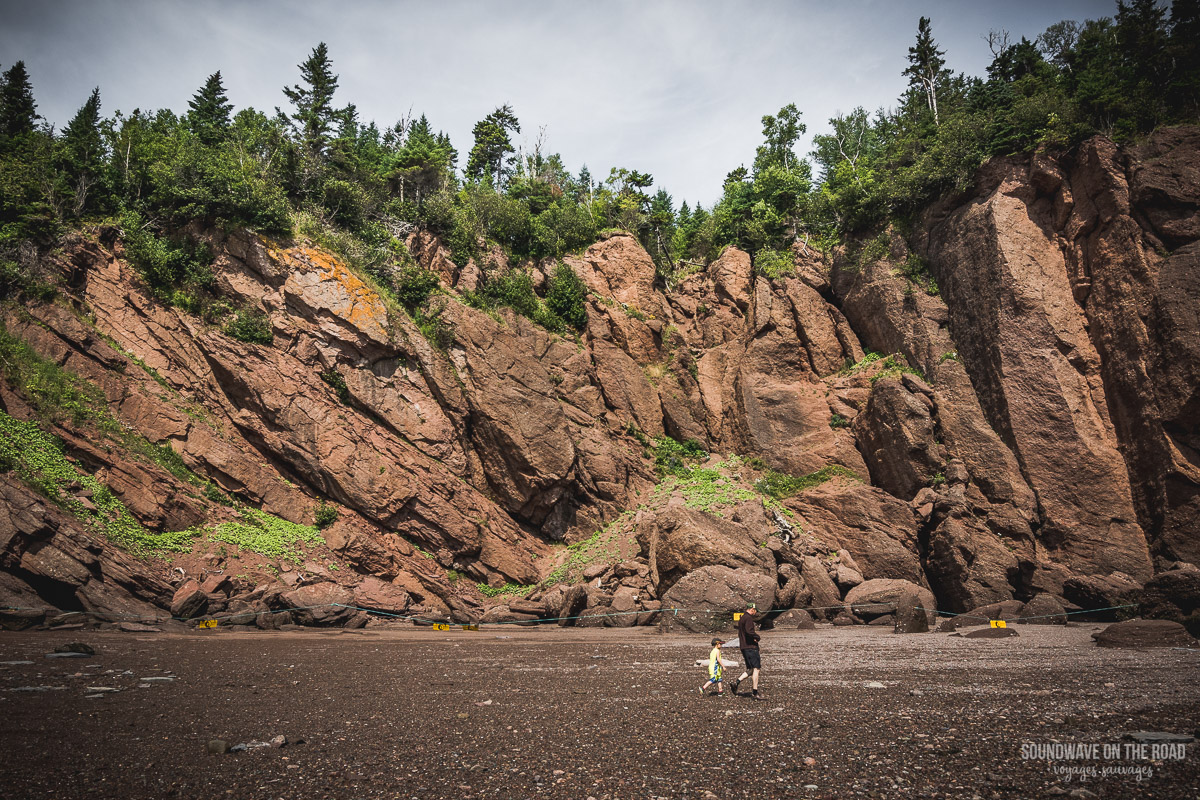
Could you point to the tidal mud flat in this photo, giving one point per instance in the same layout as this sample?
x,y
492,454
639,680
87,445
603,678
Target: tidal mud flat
x,y
518,712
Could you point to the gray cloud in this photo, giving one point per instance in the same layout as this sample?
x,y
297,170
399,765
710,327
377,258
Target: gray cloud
x,y
673,88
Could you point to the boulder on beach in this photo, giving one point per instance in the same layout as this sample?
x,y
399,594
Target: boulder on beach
x,y
1137,633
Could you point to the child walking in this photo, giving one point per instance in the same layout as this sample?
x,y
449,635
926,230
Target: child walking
x,y
715,671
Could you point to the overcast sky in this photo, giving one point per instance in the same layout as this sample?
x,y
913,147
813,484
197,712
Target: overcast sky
x,y
676,89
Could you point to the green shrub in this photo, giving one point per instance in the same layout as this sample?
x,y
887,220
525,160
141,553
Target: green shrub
x,y
431,321
566,297
872,250
326,514
166,265
513,289
774,264
838,421
55,394
335,380
166,457
851,367
38,459
414,285
250,326
15,280
508,589
213,493
894,366
916,270
672,457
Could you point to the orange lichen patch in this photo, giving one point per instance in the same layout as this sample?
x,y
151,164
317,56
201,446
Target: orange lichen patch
x,y
321,280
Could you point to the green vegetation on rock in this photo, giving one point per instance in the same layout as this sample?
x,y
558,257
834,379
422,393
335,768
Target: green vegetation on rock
x,y
603,546
37,458
673,458
267,535
781,485
507,590
250,326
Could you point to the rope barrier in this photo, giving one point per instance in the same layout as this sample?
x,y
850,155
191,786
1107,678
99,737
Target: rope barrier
x,y
536,620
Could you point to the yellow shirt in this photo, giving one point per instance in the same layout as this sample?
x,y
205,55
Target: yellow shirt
x,y
714,663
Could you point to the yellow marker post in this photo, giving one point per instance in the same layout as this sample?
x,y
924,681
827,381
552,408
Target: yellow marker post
x,y
999,623
207,623
737,615
441,626
470,627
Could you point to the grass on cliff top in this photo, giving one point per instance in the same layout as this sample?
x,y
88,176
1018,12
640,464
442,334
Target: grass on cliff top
x,y
37,458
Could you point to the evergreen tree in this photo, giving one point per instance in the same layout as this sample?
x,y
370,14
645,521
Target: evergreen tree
x,y
315,115
18,112
926,70
81,154
660,233
208,116
492,146
423,164
1184,92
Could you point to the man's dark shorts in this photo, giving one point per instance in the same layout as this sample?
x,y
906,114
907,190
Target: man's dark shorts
x,y
751,659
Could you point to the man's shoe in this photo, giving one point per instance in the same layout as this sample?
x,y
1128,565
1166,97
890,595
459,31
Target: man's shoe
x,y
734,684
757,696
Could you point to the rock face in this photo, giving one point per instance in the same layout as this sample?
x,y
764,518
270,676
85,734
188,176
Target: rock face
x,y
1025,340
1026,434
707,598
49,558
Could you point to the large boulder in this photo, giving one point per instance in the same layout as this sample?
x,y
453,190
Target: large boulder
x,y
1007,610
682,539
911,615
189,601
968,565
880,596
794,619
573,602
1043,610
1107,594
379,595
1174,595
1139,633
707,598
826,599
323,604
504,614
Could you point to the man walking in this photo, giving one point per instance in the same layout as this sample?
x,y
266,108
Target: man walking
x,y
748,642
